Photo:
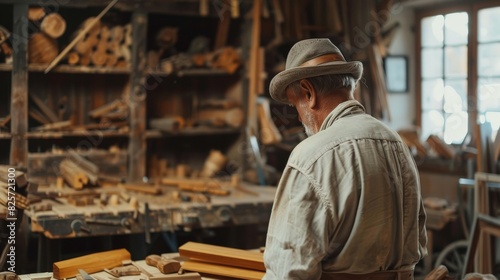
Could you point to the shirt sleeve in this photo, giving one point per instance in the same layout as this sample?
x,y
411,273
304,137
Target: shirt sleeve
x,y
297,238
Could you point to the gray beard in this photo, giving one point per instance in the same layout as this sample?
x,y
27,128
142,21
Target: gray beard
x,y
308,130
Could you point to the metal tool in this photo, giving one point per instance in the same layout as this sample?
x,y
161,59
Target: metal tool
x,y
124,222
147,223
258,157
85,275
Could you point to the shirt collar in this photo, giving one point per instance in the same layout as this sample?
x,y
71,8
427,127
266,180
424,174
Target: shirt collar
x,y
343,109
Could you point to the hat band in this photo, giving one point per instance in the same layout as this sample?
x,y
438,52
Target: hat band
x,y
323,59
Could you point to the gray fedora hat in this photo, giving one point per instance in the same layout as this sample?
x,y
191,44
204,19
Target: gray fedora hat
x,y
311,58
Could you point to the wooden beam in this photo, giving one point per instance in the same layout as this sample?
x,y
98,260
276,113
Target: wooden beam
x,y
253,68
44,108
90,263
19,90
223,255
137,99
222,29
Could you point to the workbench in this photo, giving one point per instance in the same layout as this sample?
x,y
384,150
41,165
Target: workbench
x,y
246,205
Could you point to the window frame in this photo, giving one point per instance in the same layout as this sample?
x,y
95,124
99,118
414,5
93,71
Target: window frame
x,y
472,10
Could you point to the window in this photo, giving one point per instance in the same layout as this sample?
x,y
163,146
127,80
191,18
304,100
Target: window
x,y
454,93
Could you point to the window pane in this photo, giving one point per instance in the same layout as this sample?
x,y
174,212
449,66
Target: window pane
x,y
456,28
494,119
489,59
432,63
455,127
432,123
489,25
432,94
432,31
489,95
456,62
455,96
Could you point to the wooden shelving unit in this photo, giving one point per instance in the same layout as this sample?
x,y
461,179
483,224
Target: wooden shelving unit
x,y
75,81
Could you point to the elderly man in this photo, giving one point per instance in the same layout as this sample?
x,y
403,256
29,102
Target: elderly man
x,y
348,205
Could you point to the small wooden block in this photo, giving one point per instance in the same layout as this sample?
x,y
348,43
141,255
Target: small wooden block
x,y
168,266
152,260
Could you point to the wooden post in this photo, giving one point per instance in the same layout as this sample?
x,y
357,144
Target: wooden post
x,y
253,67
137,103
19,92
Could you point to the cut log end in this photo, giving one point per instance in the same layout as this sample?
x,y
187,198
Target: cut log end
x,y
53,25
36,13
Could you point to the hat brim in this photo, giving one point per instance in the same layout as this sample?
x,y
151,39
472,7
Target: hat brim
x,y
283,79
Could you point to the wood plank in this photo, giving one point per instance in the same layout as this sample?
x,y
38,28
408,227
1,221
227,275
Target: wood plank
x,y
19,89
440,147
44,108
20,177
222,29
222,270
90,263
253,68
142,188
223,255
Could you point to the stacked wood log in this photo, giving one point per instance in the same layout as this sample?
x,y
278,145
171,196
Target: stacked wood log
x,y
227,59
113,113
42,44
78,172
219,113
13,193
102,46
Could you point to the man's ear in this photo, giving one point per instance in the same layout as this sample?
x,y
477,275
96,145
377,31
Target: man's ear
x,y
309,92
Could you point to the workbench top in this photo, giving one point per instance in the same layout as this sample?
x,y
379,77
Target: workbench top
x,y
167,211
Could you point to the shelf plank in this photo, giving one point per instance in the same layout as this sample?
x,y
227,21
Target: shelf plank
x,y
62,134
70,69
202,131
4,135
191,72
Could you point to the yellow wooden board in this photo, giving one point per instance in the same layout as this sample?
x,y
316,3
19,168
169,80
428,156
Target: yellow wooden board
x,y
222,270
223,255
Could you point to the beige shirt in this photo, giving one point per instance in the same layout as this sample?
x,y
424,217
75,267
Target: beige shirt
x,y
349,201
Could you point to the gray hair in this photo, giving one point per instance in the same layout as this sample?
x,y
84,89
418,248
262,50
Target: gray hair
x,y
327,83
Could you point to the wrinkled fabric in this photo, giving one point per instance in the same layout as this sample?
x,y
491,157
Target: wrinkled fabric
x,y
348,201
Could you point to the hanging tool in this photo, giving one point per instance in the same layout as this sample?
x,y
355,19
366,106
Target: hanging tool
x,y
125,222
147,223
259,162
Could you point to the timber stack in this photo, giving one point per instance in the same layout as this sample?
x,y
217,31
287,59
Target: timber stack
x,y
78,172
42,45
102,46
